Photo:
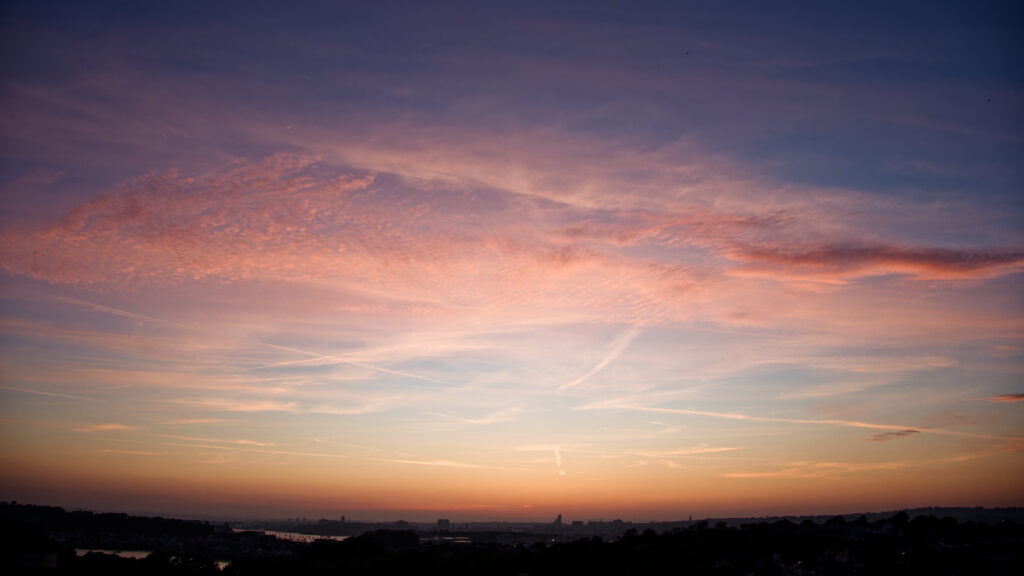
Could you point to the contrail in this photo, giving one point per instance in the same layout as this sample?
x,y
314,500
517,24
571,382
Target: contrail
x,y
52,394
122,313
619,345
341,360
818,422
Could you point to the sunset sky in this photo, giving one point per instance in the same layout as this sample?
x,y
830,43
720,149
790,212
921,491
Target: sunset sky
x,y
505,260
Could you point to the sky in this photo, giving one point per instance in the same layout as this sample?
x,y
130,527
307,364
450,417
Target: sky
x,y
508,260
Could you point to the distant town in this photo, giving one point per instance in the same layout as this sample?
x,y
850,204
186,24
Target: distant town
x,y
559,530
46,539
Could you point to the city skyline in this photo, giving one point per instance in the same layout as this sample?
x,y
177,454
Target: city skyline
x,y
606,260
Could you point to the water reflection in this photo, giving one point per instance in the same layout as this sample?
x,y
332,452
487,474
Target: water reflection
x,y
296,537
136,554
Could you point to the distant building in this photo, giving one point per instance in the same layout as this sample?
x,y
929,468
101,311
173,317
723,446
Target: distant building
x,y
558,521
444,525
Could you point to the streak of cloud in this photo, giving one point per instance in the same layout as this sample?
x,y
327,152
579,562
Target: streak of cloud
x,y
618,346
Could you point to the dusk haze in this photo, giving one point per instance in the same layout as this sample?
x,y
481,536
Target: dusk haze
x,y
511,260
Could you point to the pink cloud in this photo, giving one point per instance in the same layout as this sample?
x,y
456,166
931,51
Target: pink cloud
x,y
457,237
167,228
290,219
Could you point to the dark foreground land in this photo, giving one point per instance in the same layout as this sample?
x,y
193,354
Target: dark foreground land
x,y
43,540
